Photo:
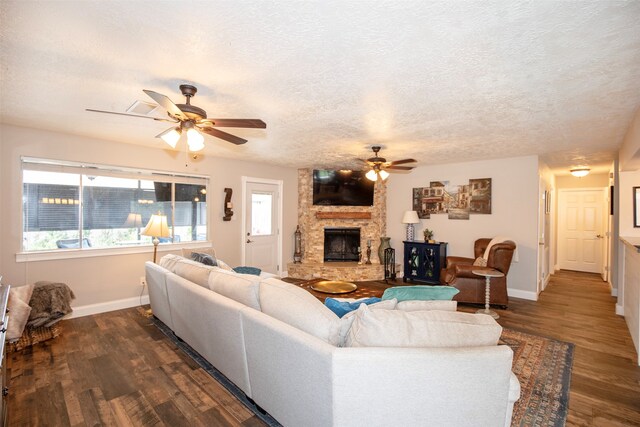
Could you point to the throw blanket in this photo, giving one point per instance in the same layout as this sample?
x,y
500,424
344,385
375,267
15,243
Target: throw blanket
x,y
495,240
49,302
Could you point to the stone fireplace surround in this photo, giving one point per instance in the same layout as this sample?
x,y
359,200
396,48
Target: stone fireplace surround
x,y
313,220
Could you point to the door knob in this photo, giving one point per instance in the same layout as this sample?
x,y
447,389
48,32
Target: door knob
x,y
599,236
249,241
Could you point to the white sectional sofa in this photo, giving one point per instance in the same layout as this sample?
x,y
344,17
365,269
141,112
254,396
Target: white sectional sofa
x,y
277,343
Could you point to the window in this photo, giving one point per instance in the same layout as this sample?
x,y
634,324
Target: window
x,y
75,205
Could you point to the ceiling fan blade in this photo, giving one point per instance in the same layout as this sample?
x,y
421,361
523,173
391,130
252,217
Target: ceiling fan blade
x,y
166,103
236,123
223,135
399,168
131,115
401,162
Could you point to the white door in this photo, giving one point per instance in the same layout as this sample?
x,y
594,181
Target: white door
x,y
581,230
262,223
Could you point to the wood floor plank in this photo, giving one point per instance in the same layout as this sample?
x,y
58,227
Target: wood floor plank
x,y
117,368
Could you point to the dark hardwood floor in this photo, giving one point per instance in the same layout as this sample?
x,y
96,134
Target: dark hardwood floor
x,y
117,369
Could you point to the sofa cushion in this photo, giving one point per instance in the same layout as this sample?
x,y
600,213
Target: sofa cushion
x,y
347,319
187,269
242,288
420,292
169,261
298,308
418,305
396,328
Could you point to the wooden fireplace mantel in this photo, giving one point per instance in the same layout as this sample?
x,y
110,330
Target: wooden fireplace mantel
x,y
343,215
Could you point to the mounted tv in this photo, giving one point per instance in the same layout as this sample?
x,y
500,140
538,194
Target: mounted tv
x,y
342,188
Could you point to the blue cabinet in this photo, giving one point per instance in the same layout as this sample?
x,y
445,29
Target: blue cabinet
x,y
423,261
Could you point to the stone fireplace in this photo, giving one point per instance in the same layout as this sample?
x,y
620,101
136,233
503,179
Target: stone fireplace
x,y
314,220
341,244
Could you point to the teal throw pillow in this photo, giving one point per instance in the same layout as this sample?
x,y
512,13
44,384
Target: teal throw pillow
x,y
421,292
247,270
205,259
340,308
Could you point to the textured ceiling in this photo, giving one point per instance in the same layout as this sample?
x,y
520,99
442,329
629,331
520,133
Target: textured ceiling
x,y
438,81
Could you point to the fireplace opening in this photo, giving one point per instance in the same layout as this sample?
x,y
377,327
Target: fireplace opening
x,y
341,244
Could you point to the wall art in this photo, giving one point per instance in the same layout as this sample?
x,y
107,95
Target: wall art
x,y
458,201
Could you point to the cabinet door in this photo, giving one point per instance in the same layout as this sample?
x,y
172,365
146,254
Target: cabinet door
x,y
429,261
414,261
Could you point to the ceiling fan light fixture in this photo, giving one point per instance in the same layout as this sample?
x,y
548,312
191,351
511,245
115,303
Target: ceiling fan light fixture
x,y
372,175
195,140
384,174
171,136
580,172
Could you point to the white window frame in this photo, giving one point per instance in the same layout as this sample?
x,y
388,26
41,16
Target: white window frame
x,y
85,168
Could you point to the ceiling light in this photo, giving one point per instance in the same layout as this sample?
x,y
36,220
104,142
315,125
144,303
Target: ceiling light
x,y
580,172
171,136
372,175
384,174
195,140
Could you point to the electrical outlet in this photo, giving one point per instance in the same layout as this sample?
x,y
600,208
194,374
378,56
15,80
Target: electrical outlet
x,y
143,281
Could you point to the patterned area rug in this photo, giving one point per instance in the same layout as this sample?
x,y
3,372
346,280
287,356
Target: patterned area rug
x,y
542,365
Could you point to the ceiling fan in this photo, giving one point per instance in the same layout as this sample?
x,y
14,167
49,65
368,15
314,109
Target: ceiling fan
x,y
192,120
380,167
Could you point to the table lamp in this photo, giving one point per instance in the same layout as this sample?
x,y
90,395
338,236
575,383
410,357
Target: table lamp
x,y
410,218
157,227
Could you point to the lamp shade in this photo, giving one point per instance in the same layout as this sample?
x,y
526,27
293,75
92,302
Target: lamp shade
x,y
157,227
410,217
133,220
384,174
372,175
171,136
195,140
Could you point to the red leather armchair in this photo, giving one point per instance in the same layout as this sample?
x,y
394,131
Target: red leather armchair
x,y
471,286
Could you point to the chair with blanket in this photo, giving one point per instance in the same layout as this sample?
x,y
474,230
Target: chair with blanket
x,y
458,272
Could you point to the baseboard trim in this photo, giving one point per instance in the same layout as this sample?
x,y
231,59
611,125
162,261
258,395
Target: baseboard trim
x,y
103,307
517,293
619,310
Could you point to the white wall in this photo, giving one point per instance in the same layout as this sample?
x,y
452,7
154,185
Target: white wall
x,y
628,180
629,154
514,212
102,279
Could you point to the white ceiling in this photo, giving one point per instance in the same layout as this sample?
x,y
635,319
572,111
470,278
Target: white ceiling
x,y
438,81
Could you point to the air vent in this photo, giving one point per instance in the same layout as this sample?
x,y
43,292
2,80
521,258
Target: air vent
x,y
142,108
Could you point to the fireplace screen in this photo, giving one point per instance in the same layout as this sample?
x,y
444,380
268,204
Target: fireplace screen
x,y
341,244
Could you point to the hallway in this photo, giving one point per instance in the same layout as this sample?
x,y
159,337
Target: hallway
x,y
578,307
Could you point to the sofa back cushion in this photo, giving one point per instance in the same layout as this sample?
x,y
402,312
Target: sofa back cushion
x,y
397,328
242,288
187,269
419,305
298,308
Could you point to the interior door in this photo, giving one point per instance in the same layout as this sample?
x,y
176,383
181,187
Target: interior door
x,y
581,230
261,227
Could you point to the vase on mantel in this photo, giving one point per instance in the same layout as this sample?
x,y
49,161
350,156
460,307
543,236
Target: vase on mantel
x,y
385,242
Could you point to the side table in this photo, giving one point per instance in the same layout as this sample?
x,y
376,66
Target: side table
x,y
488,274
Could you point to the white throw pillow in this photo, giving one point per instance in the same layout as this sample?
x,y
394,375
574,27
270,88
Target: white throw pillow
x,y
19,310
397,328
243,288
186,252
347,320
420,305
223,265
297,307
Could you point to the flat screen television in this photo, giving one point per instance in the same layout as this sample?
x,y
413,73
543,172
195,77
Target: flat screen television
x,y
342,188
